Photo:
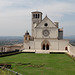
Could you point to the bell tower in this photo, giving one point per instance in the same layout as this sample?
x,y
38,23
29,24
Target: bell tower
x,y
36,19
27,37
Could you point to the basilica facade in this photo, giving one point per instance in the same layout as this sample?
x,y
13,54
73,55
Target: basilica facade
x,y
46,36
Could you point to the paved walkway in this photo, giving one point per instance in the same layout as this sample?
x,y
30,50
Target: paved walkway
x,y
43,51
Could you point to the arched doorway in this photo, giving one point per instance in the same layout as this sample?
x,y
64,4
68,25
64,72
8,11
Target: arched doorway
x,y
45,45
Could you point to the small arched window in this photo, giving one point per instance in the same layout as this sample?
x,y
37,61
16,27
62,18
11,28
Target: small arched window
x,y
66,48
29,47
25,38
2,49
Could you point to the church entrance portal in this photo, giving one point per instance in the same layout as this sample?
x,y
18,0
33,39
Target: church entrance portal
x,y
45,45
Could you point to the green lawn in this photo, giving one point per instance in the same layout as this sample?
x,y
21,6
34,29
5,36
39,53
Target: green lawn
x,y
5,72
41,64
1,72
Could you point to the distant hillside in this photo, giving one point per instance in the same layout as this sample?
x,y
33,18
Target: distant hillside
x,y
70,37
21,37
10,40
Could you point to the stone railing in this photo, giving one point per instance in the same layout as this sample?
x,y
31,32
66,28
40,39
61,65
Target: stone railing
x,y
10,71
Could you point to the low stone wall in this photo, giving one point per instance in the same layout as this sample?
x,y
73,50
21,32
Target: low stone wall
x,y
3,54
72,50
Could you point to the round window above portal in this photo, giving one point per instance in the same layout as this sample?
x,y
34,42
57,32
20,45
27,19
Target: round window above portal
x,y
46,24
45,33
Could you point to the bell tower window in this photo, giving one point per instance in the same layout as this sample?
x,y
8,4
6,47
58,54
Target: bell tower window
x,y
33,15
26,38
38,15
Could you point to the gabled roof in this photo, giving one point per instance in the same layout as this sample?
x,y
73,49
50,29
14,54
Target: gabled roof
x,y
46,20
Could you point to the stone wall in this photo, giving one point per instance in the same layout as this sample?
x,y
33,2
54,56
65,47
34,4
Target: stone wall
x,y
54,44
29,44
10,48
71,49
53,33
2,49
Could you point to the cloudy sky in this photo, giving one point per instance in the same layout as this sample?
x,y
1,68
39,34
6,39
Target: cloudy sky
x,y
15,15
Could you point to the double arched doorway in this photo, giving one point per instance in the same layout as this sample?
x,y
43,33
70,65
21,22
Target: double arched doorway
x,y
45,45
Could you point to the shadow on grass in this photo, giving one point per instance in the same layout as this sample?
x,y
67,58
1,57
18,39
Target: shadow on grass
x,y
30,65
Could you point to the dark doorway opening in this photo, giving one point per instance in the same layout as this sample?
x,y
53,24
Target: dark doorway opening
x,y
47,47
43,46
66,48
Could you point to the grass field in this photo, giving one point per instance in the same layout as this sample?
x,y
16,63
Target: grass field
x,y
41,64
5,72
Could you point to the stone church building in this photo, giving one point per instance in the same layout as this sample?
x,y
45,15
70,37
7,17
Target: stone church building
x,y
46,36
